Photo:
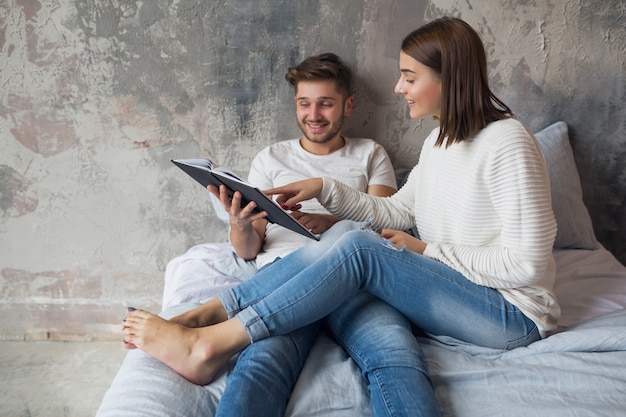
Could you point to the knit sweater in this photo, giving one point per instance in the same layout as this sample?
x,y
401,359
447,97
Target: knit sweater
x,y
483,208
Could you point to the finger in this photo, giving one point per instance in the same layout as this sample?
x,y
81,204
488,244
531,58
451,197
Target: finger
x,y
274,191
292,203
294,208
248,209
235,204
213,190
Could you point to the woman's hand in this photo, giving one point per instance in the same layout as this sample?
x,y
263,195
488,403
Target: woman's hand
x,y
400,239
291,194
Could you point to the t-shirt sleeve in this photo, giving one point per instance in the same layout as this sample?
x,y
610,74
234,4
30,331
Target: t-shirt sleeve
x,y
259,175
381,170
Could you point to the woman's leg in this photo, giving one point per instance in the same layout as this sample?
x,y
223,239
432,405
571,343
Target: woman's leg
x,y
379,339
272,276
434,297
195,344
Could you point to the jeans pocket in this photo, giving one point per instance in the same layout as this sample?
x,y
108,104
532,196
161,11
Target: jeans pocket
x,y
526,340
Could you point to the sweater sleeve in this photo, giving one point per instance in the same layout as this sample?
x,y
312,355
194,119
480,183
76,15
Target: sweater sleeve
x,y
393,212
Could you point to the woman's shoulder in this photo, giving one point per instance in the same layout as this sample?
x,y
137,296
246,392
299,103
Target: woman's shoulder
x,y
509,125
506,132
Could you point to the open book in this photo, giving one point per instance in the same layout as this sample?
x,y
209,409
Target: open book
x,y
202,170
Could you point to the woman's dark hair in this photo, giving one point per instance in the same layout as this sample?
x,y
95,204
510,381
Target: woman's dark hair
x,y
455,52
322,67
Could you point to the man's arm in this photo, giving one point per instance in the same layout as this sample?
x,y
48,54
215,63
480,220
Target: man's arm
x,y
380,190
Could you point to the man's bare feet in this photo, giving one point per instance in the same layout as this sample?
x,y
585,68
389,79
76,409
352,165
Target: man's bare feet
x,y
194,353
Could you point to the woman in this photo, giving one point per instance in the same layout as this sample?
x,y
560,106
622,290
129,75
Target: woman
x,y
481,270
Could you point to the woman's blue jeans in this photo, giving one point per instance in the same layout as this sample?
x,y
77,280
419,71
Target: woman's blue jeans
x,y
311,283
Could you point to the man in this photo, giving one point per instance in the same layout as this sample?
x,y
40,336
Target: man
x,y
266,372
263,377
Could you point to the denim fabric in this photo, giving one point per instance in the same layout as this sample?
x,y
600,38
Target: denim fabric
x,y
374,334
380,341
306,286
265,374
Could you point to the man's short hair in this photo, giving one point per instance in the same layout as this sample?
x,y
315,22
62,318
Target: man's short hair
x,y
327,66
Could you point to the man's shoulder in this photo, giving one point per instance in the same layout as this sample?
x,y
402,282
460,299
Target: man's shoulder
x,y
282,144
278,148
361,143
360,140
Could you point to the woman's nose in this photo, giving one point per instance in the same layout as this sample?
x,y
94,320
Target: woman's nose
x,y
399,88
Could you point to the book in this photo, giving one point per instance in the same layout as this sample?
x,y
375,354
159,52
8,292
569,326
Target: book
x,y
203,171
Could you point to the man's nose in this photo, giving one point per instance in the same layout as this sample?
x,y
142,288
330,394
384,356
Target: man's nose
x,y
315,111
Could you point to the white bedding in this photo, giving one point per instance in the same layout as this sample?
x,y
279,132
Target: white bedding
x,y
579,371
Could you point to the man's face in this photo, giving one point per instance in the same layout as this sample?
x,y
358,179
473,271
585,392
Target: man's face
x,y
320,110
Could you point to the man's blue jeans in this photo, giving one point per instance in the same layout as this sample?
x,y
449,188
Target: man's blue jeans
x,y
308,285
265,374
374,334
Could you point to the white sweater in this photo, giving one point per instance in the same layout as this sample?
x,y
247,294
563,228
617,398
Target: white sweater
x,y
483,207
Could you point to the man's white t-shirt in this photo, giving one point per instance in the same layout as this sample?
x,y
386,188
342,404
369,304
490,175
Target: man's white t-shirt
x,y
359,164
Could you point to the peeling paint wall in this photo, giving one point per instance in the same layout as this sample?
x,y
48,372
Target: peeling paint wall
x,y
96,97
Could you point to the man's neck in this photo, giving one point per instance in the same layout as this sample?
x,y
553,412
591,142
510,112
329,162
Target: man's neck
x,y
325,148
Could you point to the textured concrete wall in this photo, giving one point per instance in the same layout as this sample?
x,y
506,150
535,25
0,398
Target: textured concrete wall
x,y
96,97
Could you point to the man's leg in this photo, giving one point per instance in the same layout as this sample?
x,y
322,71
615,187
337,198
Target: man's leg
x,y
379,339
265,374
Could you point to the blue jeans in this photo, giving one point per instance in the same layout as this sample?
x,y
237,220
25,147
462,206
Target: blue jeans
x,y
374,334
307,286
265,374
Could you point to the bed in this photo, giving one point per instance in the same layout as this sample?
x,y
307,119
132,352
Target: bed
x,y
580,370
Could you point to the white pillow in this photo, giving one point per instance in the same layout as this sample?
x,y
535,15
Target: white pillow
x,y
575,230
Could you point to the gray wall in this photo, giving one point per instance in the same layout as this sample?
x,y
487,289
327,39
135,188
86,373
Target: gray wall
x,y
97,97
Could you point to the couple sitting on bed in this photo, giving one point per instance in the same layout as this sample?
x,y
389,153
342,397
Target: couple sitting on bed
x,y
481,270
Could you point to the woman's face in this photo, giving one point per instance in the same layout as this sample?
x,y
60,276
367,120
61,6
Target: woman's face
x,y
420,86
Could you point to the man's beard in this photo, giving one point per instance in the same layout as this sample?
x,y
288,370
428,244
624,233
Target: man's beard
x,y
326,137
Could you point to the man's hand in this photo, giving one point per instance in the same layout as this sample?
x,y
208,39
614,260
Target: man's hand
x,y
400,239
316,223
240,217
247,230
291,194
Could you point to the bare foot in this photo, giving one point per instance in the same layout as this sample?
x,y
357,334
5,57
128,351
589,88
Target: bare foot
x,y
211,312
197,354
125,343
